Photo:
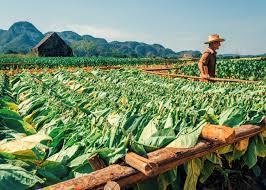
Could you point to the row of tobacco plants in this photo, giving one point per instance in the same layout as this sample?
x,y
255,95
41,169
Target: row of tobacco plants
x,y
238,69
7,63
52,123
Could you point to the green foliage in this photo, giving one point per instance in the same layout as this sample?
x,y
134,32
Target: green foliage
x,y
14,177
27,62
111,112
237,68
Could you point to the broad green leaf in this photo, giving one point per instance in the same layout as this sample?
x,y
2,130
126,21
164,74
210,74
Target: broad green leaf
x,y
12,106
160,138
193,172
137,148
80,160
151,183
169,121
149,130
212,157
225,149
23,145
54,172
232,117
168,179
111,155
260,146
65,156
14,177
188,139
206,171
9,114
82,170
250,157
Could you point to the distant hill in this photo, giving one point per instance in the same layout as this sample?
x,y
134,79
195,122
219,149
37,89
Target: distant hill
x,y
87,45
262,55
22,36
240,56
2,31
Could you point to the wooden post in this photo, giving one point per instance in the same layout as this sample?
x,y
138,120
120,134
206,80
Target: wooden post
x,y
218,133
96,163
140,163
111,185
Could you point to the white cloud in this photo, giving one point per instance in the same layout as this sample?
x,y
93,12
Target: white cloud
x,y
101,32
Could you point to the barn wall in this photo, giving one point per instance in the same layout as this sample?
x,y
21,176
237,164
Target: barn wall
x,y
54,47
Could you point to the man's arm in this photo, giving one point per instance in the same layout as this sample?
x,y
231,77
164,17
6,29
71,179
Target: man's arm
x,y
204,72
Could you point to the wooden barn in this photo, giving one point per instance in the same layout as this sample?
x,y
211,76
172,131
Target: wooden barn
x,y
52,46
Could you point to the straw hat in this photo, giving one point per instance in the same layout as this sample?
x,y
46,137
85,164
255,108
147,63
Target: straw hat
x,y
214,38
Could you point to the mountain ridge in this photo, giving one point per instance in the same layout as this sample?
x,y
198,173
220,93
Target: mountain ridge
x,y
22,36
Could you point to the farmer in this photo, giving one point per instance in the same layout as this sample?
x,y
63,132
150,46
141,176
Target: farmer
x,y
207,61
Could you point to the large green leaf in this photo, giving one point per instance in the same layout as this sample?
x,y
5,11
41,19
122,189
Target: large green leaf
x,y
82,170
14,177
13,120
27,147
65,156
260,146
111,155
80,160
54,172
151,183
169,123
206,171
149,130
167,180
8,114
250,157
160,138
232,117
137,148
193,172
188,139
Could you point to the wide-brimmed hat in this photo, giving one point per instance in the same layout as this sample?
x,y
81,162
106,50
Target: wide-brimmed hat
x,y
214,38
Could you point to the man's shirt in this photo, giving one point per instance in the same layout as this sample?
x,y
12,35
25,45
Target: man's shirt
x,y
208,59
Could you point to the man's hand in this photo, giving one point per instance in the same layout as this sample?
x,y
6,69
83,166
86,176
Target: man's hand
x,y
203,76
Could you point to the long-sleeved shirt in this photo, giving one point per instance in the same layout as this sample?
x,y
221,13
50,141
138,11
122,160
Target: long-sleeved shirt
x,y
208,59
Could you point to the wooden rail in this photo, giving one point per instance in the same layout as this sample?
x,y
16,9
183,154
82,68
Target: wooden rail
x,y
159,69
199,78
154,71
163,159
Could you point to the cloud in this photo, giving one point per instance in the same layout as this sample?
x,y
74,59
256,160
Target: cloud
x,y
101,32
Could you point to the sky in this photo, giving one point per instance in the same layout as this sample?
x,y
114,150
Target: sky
x,y
176,24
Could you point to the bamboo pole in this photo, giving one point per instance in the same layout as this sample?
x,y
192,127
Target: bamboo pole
x,y
95,180
159,69
109,67
199,78
165,158
140,163
111,185
96,163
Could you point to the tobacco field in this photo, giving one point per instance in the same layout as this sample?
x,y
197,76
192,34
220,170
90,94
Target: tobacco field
x,y
53,122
